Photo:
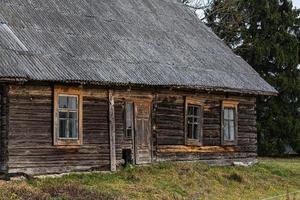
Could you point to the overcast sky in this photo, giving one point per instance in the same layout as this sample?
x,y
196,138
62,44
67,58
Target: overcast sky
x,y
296,3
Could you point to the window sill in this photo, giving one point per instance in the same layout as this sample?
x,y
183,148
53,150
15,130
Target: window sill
x,y
193,142
67,147
229,143
68,143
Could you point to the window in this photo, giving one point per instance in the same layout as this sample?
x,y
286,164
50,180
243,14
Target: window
x,y
193,122
67,116
129,119
229,122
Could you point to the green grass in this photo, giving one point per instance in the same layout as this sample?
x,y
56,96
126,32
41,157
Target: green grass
x,y
269,178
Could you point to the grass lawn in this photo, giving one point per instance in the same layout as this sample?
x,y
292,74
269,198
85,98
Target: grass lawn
x,y
269,178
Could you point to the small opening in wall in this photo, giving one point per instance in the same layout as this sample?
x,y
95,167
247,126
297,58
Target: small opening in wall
x,y
127,156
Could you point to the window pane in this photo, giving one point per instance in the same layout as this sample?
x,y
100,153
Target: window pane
x,y
190,130
129,115
63,101
62,128
229,124
193,118
63,115
196,132
72,115
226,113
196,120
190,110
196,111
190,120
68,117
73,128
129,132
128,119
232,130
226,130
72,103
231,114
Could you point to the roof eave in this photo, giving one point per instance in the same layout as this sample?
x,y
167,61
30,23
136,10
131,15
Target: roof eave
x,y
200,88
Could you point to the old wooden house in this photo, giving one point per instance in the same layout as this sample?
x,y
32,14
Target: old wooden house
x,y
91,84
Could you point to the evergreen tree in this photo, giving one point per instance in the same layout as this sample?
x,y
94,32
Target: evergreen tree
x,y
266,33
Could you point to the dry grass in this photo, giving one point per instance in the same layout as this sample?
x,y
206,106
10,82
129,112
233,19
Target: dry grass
x,y
269,178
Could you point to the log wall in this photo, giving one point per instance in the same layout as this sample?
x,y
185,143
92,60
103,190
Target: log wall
x,y
30,135
169,120
3,129
212,122
30,149
170,131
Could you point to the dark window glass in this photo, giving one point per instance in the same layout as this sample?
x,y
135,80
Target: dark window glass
x,y
128,119
229,124
193,122
73,128
63,115
190,130
68,117
62,128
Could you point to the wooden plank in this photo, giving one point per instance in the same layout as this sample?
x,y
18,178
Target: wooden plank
x,y
194,149
112,132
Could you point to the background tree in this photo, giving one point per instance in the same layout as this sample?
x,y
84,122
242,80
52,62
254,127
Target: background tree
x,y
266,33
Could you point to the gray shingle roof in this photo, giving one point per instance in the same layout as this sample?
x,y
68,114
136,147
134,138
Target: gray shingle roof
x,y
140,42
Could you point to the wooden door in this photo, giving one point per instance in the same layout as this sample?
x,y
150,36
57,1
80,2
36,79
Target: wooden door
x,y
143,147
